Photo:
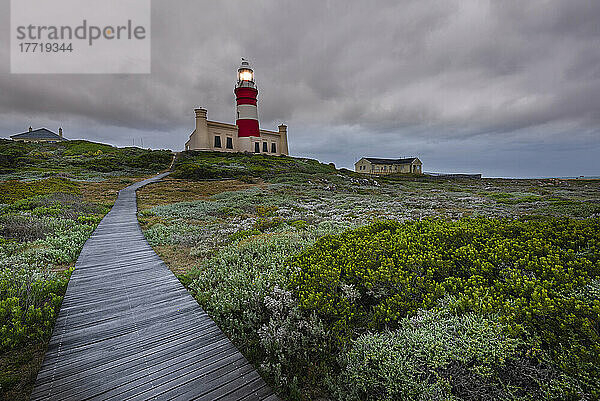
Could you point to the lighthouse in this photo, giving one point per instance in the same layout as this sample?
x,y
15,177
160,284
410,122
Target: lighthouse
x,y
244,136
246,108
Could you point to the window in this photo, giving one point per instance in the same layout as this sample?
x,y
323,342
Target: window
x,y
256,147
217,141
229,143
265,147
273,148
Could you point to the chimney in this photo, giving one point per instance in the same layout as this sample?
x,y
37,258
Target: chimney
x,y
60,132
200,113
283,145
30,129
200,139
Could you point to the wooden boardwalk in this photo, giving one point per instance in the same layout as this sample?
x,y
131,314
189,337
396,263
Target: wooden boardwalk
x,y
127,328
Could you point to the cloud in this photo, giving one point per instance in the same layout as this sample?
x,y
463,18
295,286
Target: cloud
x,y
390,77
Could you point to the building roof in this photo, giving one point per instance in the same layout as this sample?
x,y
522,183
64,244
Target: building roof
x,y
40,133
375,160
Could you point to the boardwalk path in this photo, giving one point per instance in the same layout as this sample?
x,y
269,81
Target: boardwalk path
x,y
127,328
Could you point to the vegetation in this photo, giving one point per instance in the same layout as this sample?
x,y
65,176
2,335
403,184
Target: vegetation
x,y
80,159
209,165
338,286
12,191
530,273
53,198
40,239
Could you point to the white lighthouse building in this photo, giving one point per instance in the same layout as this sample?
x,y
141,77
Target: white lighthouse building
x,y
245,135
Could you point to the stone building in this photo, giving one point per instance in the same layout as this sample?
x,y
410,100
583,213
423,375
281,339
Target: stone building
x,y
39,135
223,137
245,135
372,165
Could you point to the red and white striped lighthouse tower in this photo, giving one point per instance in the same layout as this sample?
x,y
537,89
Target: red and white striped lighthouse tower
x,y
247,111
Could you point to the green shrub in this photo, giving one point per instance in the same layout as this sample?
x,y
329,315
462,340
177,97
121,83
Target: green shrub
x,y
202,171
182,234
527,271
242,288
23,228
93,219
34,238
75,148
243,234
204,165
30,295
263,224
79,158
298,224
266,211
29,303
13,191
437,355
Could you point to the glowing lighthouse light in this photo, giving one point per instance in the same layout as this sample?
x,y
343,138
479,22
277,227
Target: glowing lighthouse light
x,y
246,75
246,94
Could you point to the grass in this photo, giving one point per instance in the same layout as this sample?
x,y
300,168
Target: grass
x,y
177,257
170,190
105,192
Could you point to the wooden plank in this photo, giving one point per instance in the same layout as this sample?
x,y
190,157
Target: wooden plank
x,y
127,328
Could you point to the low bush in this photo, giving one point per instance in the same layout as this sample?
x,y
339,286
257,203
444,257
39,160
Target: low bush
x,y
46,224
437,355
13,191
528,272
176,234
203,171
79,158
206,165
30,294
29,303
23,228
77,148
269,224
243,234
243,288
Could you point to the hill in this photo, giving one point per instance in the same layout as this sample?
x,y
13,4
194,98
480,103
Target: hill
x,y
78,159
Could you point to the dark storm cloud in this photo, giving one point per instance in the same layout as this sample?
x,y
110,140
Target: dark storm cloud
x,y
444,80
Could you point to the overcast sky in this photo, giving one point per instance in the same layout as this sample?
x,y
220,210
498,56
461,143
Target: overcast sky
x,y
503,88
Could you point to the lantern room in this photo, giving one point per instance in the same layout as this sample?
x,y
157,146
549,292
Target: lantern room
x,y
245,77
